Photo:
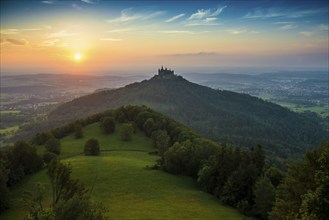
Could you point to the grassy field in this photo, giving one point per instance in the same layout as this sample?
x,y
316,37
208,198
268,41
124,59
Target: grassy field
x,y
120,180
10,112
9,131
321,110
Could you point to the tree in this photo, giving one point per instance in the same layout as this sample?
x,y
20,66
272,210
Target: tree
x,y
48,156
275,175
315,204
70,200
304,193
24,156
108,125
63,186
53,145
92,147
33,200
161,141
149,126
42,138
4,192
78,131
126,131
264,193
239,186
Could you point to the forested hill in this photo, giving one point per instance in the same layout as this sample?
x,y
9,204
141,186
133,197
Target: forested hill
x,y
220,115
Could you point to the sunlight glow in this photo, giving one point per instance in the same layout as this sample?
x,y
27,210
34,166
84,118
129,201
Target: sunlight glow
x,y
77,56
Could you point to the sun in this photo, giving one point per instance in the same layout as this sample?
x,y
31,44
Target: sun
x,y
77,56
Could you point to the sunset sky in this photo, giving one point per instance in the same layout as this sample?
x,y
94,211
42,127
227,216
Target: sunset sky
x,y
98,36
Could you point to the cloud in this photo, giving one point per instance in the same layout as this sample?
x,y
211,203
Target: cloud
x,y
127,15
176,32
319,29
110,39
49,43
322,27
77,7
174,18
123,30
219,11
19,42
62,33
90,1
9,31
17,31
307,33
284,22
48,2
238,31
205,17
277,12
201,23
202,13
288,27
258,13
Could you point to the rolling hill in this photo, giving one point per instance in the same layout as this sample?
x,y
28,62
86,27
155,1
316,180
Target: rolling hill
x,y
223,116
119,178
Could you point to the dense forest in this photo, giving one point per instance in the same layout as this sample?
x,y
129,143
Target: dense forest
x,y
237,177
222,116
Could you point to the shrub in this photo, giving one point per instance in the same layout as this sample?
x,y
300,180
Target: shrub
x,y
108,125
126,132
48,156
91,147
53,145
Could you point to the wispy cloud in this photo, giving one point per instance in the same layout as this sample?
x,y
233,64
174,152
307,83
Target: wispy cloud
x,y
62,33
202,13
49,43
18,42
9,31
127,15
238,31
206,17
288,27
176,32
277,12
306,33
76,7
90,1
283,22
17,31
48,2
317,30
174,18
322,27
123,30
110,39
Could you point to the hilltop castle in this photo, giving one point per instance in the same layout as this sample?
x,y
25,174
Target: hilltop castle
x,y
165,72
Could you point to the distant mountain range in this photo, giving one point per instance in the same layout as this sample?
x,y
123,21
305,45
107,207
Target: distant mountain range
x,y
223,116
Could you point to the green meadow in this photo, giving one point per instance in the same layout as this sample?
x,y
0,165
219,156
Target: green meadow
x,y
121,180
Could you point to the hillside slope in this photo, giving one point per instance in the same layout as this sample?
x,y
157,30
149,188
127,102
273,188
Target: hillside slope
x,y
120,180
220,115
